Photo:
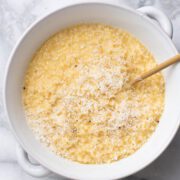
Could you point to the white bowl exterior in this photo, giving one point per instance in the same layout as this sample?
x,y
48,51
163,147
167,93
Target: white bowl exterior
x,y
142,28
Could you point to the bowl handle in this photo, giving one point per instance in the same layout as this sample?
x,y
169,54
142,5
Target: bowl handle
x,y
32,168
160,17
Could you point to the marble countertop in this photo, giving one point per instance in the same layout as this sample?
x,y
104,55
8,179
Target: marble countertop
x,y
15,17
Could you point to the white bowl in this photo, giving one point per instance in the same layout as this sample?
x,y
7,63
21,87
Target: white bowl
x,y
133,21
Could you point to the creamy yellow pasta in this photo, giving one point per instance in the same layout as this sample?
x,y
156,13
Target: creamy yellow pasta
x,y
75,98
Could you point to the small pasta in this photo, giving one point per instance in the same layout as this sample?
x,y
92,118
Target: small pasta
x,y
77,99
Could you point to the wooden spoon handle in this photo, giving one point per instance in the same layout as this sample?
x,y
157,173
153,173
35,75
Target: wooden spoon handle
x,y
158,68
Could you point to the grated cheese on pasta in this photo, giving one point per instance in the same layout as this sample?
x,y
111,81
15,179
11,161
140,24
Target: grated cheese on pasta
x,y
74,96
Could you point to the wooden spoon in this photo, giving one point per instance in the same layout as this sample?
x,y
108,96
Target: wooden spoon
x,y
156,69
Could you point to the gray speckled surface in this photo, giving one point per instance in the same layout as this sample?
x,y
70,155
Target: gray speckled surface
x,y
15,17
